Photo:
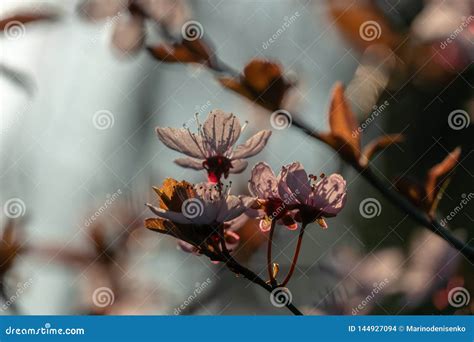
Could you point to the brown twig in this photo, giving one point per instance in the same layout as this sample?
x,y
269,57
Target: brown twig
x,y
235,267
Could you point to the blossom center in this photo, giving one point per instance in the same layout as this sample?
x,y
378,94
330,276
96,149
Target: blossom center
x,y
217,167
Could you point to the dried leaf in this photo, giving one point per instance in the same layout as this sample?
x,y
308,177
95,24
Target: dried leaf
x,y
379,144
196,51
266,81
413,191
261,82
438,174
342,125
235,85
275,269
25,18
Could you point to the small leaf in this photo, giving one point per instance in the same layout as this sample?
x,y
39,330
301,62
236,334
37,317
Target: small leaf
x,y
341,118
275,270
25,18
412,190
236,86
196,51
322,223
438,174
343,127
378,145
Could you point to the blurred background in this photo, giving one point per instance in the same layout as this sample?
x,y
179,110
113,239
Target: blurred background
x,y
79,155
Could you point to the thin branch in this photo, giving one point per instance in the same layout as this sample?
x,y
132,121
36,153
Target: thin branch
x,y
235,267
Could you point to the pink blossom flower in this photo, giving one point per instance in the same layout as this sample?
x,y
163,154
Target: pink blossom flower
x,y
196,215
294,196
212,148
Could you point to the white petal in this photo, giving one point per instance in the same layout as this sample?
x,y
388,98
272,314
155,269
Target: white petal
x,y
293,183
171,13
129,34
238,166
179,139
252,146
169,215
99,9
234,207
190,163
263,183
221,130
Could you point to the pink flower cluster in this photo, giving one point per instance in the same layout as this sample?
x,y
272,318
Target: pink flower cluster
x,y
290,198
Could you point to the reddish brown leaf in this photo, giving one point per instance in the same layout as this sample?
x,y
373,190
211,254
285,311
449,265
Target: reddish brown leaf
x,y
343,126
438,174
412,190
199,48
172,54
25,18
186,52
266,82
235,85
378,145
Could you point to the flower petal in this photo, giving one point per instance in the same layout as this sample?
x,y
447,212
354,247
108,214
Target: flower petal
x,y
293,182
238,166
100,9
234,207
329,194
232,240
129,34
263,182
252,146
190,163
221,131
169,215
181,140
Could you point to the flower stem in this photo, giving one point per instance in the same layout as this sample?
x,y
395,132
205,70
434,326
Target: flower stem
x,y
295,256
269,255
